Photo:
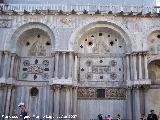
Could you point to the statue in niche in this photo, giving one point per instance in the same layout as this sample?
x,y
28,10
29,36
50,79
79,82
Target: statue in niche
x,y
38,49
100,47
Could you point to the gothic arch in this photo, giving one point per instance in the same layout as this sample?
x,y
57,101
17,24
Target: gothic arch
x,y
28,26
79,32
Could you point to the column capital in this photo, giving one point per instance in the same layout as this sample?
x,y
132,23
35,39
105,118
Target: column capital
x,y
13,54
1,52
6,52
55,87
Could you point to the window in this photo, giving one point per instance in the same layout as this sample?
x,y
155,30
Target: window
x,y
34,91
100,93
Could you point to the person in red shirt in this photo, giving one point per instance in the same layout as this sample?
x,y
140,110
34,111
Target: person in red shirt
x,y
108,117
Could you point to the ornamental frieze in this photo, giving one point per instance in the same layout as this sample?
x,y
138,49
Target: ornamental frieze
x,y
5,23
114,93
86,92
110,93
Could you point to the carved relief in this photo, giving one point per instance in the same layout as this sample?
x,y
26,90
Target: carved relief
x,y
100,69
38,49
35,69
110,93
86,92
113,93
5,23
113,76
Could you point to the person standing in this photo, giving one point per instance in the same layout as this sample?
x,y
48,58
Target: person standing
x,y
118,117
108,117
152,116
23,110
100,117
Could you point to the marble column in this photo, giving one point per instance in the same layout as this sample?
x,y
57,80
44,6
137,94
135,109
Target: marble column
x,y
67,101
4,75
53,65
75,67
134,66
9,64
128,68
64,65
12,65
8,99
145,66
136,104
70,65
12,100
56,100
146,100
140,66
57,64
129,104
1,54
75,100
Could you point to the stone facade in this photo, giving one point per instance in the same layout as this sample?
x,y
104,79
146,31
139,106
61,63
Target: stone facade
x,y
79,63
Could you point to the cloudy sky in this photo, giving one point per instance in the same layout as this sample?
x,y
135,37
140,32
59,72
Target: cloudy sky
x,y
158,2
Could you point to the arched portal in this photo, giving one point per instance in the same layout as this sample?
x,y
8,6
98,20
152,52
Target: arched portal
x,y
101,48
32,43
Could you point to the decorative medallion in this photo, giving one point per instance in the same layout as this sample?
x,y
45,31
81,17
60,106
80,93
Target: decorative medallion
x,y
5,23
113,63
45,63
113,76
89,76
26,63
24,75
45,76
88,63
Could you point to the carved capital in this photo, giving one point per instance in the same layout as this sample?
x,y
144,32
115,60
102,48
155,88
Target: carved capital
x,y
55,87
13,54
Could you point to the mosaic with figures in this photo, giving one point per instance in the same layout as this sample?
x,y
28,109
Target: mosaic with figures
x,y
101,69
38,69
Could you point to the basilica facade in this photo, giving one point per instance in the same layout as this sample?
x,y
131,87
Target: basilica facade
x,y
62,60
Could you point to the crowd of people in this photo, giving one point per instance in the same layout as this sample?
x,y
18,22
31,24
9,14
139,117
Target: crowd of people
x,y
151,116
108,117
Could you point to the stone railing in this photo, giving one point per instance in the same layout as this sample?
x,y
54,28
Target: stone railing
x,y
79,8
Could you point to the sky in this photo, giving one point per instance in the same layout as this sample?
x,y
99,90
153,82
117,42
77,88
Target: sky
x,y
158,2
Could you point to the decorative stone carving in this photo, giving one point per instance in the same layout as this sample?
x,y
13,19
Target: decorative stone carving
x,y
86,93
113,76
26,63
38,49
116,93
24,75
113,63
45,63
89,76
88,62
100,69
5,23
110,93
35,68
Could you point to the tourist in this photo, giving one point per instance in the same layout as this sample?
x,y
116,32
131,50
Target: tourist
x,y
24,111
143,117
118,117
99,117
152,116
108,117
